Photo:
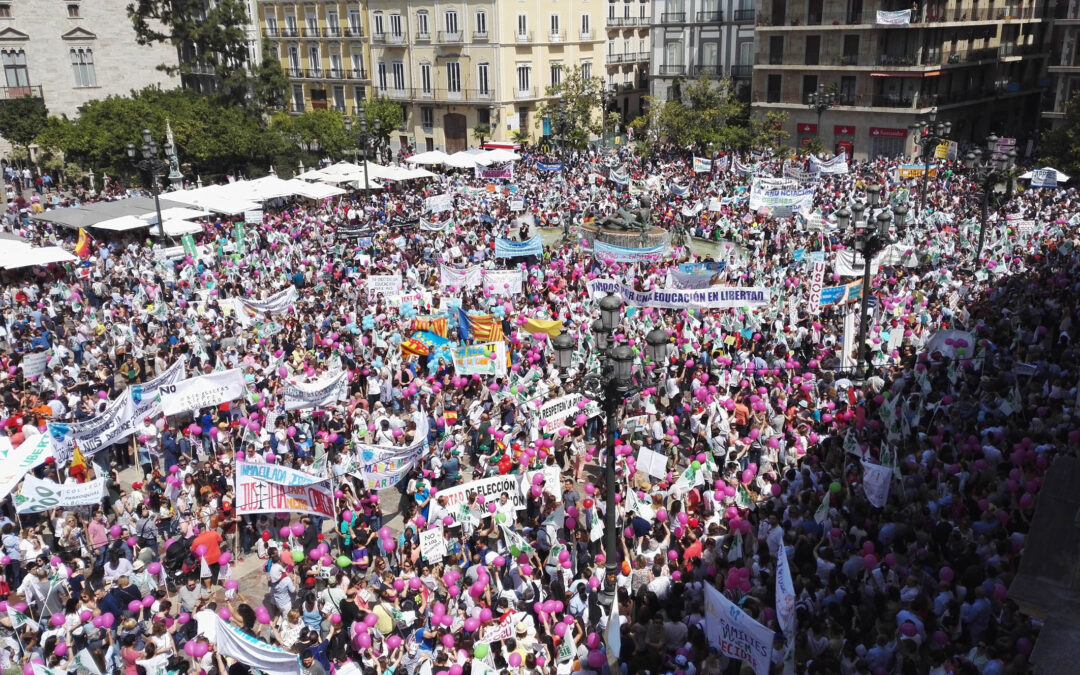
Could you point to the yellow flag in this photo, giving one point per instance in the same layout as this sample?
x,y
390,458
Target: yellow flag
x,y
552,328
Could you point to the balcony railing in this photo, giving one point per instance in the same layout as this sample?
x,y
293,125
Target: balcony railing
x,y
672,70
355,74
335,74
743,16
314,73
395,38
378,36
480,35
624,21
673,17
423,36
294,72
33,90
587,35
289,32
523,37
708,71
710,17
629,57
332,31
556,36
521,94
354,31
463,95
271,32
311,32
450,37
740,71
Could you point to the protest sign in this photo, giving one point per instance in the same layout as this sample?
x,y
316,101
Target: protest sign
x,y
559,411
387,284
37,495
735,633
702,165
470,277
33,365
389,470
432,544
268,488
326,390
796,199
517,204
500,631
504,248
113,424
652,463
1044,178
506,171
202,391
439,203
253,652
900,17
18,461
278,302
785,601
715,297
905,171
602,250
503,282
836,165
490,488
488,358
876,480
817,283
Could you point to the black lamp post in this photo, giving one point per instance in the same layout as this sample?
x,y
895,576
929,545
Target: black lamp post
x,y
610,388
364,139
990,168
154,166
929,134
820,101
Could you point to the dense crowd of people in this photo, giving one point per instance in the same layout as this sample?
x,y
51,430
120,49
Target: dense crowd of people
x,y
899,501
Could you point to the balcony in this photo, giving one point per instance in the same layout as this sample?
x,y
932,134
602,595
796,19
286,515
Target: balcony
x,y
741,71
557,36
339,107
451,37
289,32
271,32
673,17
423,36
462,95
743,16
480,35
523,38
773,96
331,31
311,31
7,93
710,17
524,94
395,39
624,21
335,74
672,71
294,72
354,32
400,94
587,35
314,73
710,70
359,75
378,36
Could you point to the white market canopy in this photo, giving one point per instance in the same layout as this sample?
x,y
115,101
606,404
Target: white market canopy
x,y
16,254
432,157
466,160
502,155
122,223
174,213
178,228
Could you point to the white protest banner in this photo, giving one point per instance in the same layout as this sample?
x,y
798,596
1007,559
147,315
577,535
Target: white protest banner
x,y
439,203
37,495
488,358
470,277
268,488
112,425
1044,178
602,250
852,264
714,297
900,17
517,204
322,392
387,284
795,199
652,463
146,397
836,165
503,282
278,302
388,471
202,391
432,544
552,482
1024,226
33,365
876,480
491,488
817,283
735,633
22,459
785,599
500,631
253,217
254,653
558,411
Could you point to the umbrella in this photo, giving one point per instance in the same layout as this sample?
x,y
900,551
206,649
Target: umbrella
x,y
432,157
1061,178
464,160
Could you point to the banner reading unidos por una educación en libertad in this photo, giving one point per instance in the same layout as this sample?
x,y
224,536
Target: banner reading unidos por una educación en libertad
x,y
715,297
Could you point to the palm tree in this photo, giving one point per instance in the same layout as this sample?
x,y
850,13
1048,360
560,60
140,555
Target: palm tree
x,y
521,137
482,132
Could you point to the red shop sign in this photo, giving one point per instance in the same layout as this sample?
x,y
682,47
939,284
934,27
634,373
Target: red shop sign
x,y
884,132
804,128
844,131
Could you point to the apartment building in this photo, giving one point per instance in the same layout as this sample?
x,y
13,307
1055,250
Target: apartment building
x,y
696,38
70,53
1064,67
889,63
323,51
627,60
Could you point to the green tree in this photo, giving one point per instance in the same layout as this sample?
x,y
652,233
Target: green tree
x,y
482,132
575,104
814,146
268,82
1060,146
705,117
324,129
206,35
22,119
383,117
768,132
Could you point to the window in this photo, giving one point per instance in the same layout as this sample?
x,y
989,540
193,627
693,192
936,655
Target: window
x,y
453,77
298,98
271,22
15,68
556,73
381,71
847,90
395,25
377,20
5,11
450,20
290,23
710,52
422,24
483,116
311,22
774,88
82,62
813,50
524,72
776,50
626,47
399,76
332,19
359,96
482,85
481,23
355,22
357,65
313,61
611,47
523,119
611,11
425,78
586,70
586,28
294,61
522,24
336,70
73,11
554,26
339,97
427,117
809,85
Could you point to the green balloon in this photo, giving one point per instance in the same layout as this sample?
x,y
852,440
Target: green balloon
x,y
695,465
834,488
343,561
500,517
514,389
298,556
481,651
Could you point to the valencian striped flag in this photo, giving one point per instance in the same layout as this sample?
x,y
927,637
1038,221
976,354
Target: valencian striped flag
x,y
435,325
82,247
480,327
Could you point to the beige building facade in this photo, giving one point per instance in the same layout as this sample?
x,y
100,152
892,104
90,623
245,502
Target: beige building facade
x,y
75,51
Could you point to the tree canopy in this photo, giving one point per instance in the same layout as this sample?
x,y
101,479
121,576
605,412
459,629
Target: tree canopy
x,y
571,108
1060,146
705,116
22,119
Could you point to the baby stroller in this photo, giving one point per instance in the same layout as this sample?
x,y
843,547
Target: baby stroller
x,y
178,562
